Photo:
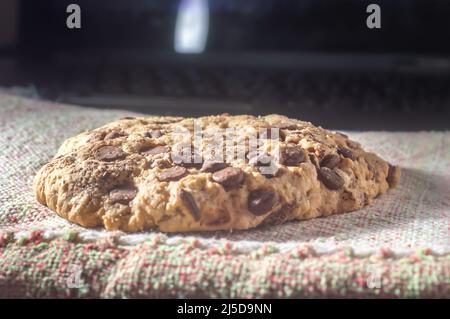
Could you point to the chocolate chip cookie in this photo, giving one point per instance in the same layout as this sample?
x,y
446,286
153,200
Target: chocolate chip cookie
x,y
210,173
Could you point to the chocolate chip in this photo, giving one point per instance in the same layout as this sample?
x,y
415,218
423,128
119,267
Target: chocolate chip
x,y
155,150
128,118
279,216
353,144
393,175
260,160
346,153
172,174
211,166
154,134
260,202
122,195
113,135
284,126
263,162
330,178
292,156
96,136
190,203
229,177
109,153
330,161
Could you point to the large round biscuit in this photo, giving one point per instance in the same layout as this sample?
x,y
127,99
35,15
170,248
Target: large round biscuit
x,y
123,176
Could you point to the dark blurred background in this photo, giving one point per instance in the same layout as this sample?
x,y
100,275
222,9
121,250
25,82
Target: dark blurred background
x,y
311,59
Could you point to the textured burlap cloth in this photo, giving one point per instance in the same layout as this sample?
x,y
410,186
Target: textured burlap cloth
x,y
398,247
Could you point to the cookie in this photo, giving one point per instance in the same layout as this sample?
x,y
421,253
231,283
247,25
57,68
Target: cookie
x,y
221,172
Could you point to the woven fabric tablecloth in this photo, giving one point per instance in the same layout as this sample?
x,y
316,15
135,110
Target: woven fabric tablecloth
x,y
399,247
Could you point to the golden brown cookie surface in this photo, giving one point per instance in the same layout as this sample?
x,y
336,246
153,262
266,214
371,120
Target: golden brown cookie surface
x,y
131,175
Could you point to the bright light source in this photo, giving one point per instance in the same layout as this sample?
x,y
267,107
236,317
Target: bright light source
x,y
191,29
